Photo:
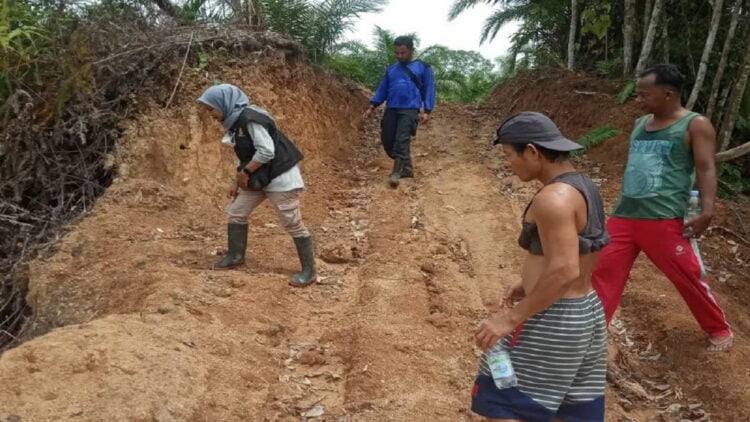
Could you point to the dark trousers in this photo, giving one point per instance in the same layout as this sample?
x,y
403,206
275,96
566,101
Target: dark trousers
x,y
397,128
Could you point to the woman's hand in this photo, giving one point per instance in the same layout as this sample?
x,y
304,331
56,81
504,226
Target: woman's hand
x,y
242,180
233,191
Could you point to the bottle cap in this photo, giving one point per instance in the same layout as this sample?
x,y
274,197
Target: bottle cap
x,y
694,193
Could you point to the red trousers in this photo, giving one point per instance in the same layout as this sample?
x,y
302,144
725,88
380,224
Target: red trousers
x,y
663,243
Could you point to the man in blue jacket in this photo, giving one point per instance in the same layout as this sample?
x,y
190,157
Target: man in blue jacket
x,y
406,87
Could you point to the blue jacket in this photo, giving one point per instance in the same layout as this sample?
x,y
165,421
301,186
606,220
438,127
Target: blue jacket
x,y
397,89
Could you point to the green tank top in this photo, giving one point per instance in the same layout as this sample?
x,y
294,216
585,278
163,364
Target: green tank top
x,y
660,172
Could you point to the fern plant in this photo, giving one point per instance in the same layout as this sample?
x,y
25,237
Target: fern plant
x,y
626,93
596,137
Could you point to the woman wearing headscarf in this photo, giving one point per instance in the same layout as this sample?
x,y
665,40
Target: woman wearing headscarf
x,y
268,169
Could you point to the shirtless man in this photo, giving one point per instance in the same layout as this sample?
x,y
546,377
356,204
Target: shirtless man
x,y
554,329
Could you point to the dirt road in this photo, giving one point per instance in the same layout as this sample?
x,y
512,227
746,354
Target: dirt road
x,y
386,335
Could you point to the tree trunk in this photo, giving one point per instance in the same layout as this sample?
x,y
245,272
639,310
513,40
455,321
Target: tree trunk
x,y
572,34
733,153
715,19
721,105
648,43
627,32
247,12
735,102
256,15
646,19
237,13
665,39
711,106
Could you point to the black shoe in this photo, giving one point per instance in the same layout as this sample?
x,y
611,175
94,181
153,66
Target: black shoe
x,y
398,168
237,242
306,252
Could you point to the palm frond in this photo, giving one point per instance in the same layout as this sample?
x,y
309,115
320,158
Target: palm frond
x,y
332,18
350,47
460,6
500,18
447,85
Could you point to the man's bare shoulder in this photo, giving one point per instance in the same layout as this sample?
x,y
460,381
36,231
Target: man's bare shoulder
x,y
701,123
556,202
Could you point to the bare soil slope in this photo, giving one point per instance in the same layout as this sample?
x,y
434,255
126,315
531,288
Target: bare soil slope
x,y
148,333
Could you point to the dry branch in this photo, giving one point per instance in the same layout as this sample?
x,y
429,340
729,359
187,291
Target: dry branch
x,y
53,162
734,153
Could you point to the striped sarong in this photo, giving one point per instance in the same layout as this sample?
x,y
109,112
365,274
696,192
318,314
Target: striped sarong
x,y
560,359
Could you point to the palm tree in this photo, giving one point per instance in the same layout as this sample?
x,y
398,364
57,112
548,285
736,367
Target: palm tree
x,y
543,23
507,12
316,24
383,55
332,18
383,40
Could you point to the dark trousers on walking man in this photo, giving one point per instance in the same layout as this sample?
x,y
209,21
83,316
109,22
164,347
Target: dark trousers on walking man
x,y
398,127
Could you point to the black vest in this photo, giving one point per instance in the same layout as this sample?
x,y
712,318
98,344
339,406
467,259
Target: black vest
x,y
286,155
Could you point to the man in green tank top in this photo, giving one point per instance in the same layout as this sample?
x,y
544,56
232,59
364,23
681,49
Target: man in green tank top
x,y
671,149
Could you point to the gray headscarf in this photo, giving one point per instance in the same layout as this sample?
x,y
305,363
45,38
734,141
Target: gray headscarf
x,y
230,101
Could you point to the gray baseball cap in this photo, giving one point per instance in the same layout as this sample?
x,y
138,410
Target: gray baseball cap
x,y
530,127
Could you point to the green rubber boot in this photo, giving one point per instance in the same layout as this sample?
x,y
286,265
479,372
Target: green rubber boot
x,y
306,253
237,244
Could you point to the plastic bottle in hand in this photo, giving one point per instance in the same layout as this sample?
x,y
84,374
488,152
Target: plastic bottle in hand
x,y
694,210
501,367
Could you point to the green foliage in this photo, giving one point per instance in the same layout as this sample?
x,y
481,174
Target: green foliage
x,y
596,137
626,93
316,24
543,24
202,62
731,181
596,20
193,11
460,76
290,17
76,72
361,64
608,67
22,39
46,48
506,65
349,66
34,34
448,60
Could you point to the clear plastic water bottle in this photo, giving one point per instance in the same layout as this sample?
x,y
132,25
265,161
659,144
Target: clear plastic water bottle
x,y
501,367
694,210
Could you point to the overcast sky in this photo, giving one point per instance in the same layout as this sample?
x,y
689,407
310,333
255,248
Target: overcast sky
x,y
429,19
